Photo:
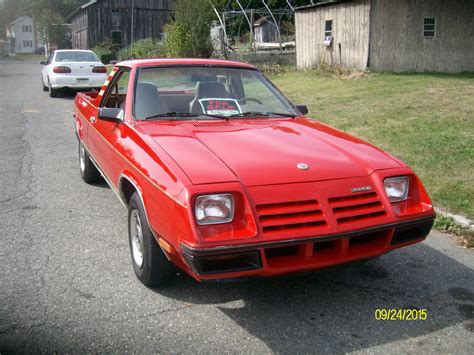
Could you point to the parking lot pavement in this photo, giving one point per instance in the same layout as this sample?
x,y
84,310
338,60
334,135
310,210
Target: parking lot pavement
x,y
67,284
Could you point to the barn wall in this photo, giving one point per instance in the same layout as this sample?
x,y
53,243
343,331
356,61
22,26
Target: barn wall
x,y
397,42
350,35
79,31
150,17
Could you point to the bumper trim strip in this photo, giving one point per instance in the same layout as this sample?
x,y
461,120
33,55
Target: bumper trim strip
x,y
240,248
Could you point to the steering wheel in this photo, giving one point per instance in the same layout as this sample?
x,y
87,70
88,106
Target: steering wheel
x,y
245,99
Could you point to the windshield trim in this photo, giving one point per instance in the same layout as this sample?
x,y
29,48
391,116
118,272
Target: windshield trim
x,y
265,81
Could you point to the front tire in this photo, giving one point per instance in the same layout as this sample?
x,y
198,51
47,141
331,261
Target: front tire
x,y
89,172
149,262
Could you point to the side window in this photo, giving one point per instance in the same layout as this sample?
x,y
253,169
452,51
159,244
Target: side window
x,y
328,28
429,27
116,94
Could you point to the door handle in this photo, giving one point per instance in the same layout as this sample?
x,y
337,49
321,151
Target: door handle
x,y
92,119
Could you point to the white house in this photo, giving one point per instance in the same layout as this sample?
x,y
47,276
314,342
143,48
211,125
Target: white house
x,y
23,36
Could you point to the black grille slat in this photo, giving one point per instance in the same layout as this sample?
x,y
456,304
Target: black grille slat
x,y
357,207
290,216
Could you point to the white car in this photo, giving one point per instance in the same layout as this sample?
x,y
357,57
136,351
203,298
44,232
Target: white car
x,y
75,69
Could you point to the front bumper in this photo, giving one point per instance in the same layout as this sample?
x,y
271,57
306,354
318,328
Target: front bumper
x,y
303,254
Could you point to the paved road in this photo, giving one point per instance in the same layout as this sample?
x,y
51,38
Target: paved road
x,y
67,284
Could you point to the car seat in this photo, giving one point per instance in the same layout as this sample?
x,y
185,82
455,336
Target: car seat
x,y
148,101
207,90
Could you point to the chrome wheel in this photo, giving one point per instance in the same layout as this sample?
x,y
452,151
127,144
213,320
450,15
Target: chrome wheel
x,y
136,237
82,158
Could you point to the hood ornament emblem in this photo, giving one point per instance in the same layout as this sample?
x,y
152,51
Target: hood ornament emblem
x,y
302,166
361,189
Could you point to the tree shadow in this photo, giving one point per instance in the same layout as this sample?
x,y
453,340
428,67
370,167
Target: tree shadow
x,y
334,311
68,94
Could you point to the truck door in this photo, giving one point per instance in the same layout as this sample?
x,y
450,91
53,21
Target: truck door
x,y
103,135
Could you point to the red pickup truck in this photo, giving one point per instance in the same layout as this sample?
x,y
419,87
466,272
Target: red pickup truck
x,y
225,178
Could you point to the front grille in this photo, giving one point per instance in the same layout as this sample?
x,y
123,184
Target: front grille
x,y
297,216
356,208
327,252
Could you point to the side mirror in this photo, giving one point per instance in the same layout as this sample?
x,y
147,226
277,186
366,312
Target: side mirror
x,y
111,114
303,109
43,62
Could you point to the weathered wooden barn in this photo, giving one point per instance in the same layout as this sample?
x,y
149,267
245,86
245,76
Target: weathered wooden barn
x,y
265,30
386,35
98,20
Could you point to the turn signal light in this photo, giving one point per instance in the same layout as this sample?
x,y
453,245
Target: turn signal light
x,y
100,70
61,70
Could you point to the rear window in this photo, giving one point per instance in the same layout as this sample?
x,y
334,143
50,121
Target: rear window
x,y
74,56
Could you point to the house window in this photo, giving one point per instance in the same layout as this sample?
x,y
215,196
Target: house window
x,y
328,28
429,25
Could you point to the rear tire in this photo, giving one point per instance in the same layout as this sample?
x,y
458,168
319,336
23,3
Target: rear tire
x,y
89,172
149,262
52,92
45,88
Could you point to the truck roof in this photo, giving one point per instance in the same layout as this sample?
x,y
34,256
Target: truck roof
x,y
136,63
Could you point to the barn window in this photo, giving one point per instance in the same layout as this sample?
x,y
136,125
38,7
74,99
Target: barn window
x,y
116,27
116,20
429,24
328,28
117,38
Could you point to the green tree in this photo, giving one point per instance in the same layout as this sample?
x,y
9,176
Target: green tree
x,y
50,18
188,35
8,12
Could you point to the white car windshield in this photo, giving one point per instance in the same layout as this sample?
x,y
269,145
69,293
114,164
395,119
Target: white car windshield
x,y
76,56
185,92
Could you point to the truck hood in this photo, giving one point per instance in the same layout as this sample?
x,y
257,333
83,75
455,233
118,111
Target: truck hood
x,y
265,151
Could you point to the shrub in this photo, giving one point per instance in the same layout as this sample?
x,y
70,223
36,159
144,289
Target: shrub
x,y
189,34
105,51
275,69
144,48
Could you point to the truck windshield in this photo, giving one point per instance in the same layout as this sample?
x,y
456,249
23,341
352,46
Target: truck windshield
x,y
193,92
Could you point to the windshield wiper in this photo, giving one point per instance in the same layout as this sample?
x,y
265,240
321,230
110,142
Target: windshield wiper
x,y
184,115
261,114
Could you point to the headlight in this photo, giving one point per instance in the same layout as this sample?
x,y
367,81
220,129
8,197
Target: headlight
x,y
396,188
214,209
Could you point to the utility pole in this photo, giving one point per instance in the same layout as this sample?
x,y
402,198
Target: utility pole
x,y
132,28
48,35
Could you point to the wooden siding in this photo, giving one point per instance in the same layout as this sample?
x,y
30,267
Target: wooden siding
x,y
79,31
350,30
266,32
397,42
149,18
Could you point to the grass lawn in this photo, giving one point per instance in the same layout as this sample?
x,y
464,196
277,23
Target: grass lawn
x,y
427,120
30,57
